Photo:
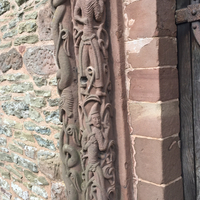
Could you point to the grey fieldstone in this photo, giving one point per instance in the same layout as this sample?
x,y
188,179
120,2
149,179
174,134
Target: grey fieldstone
x,y
29,39
2,149
4,28
40,81
28,185
54,102
52,117
37,102
35,115
13,77
18,168
43,142
3,141
42,181
10,169
5,157
1,164
58,191
16,149
10,34
5,45
18,109
28,27
32,15
43,93
30,176
22,87
5,175
30,126
40,191
44,155
4,184
56,127
4,6
19,191
53,81
13,23
30,151
24,163
40,3
12,124
20,2
4,130
5,97
33,197
40,60
15,179
22,98
24,136
57,136
21,144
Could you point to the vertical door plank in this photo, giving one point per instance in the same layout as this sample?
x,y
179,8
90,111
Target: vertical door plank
x,y
196,108
186,106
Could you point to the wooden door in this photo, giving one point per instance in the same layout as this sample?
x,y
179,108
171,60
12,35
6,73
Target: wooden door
x,y
189,81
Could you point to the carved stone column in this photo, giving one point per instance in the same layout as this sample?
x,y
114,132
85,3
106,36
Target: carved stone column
x,y
87,147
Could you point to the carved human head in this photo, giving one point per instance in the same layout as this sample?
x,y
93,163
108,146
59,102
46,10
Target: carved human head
x,y
94,116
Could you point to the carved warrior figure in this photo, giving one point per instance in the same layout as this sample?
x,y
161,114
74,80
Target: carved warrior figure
x,y
87,148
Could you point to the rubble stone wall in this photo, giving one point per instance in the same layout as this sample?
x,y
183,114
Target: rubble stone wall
x,y
29,116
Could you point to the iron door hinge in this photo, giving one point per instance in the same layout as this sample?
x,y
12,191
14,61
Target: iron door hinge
x,y
191,14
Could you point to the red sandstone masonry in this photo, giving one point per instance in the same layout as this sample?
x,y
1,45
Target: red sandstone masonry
x,y
153,98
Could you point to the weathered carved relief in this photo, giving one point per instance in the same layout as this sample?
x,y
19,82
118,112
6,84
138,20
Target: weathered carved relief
x,y
87,147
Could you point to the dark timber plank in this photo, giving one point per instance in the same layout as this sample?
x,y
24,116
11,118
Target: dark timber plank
x,y
196,108
186,106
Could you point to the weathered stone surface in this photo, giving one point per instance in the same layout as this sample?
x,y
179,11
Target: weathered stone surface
x,y
5,175
52,117
24,163
13,77
154,85
32,15
12,124
19,191
30,151
43,142
30,176
15,179
20,2
22,48
16,149
35,115
4,6
28,27
161,158
43,155
40,60
10,169
42,93
5,157
50,167
40,3
18,109
11,59
22,87
37,102
30,126
29,39
161,118
58,191
3,141
40,191
4,184
5,45
5,97
5,130
18,168
44,23
42,181
6,194
2,149
40,81
4,28
10,34
33,197
13,23
57,136
53,81
24,136
1,164
53,102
